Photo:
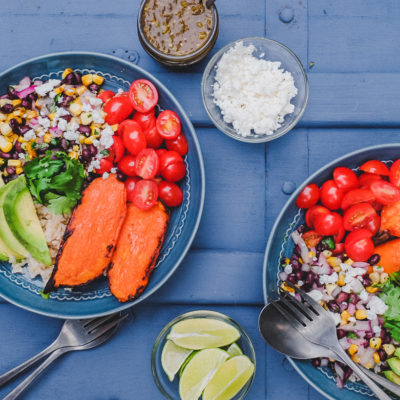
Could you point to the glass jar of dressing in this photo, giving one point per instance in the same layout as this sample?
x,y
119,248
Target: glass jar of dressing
x,y
177,32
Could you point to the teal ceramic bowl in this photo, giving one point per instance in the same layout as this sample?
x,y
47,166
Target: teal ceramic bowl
x,y
95,299
280,245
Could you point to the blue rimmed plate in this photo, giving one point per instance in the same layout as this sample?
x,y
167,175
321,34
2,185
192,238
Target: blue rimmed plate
x,y
95,299
279,245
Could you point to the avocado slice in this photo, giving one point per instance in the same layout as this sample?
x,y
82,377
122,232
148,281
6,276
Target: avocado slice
x,y
394,364
12,245
20,214
397,352
392,377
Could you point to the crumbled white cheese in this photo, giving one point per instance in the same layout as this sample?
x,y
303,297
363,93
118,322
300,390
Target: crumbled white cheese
x,y
62,124
44,121
47,87
253,94
106,138
288,269
377,305
30,135
113,170
325,279
364,295
71,135
97,118
316,295
105,175
86,107
95,101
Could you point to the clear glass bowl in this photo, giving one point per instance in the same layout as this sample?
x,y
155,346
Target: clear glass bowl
x,y
266,49
170,390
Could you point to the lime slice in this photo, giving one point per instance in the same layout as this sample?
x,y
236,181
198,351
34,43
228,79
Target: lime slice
x,y
183,366
234,350
199,371
203,333
229,379
172,357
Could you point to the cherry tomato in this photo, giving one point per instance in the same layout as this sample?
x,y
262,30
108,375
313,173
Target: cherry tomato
x,y
153,138
358,216
311,238
339,248
133,137
359,245
145,194
118,108
105,166
106,95
374,224
366,179
345,178
339,235
312,212
116,151
160,152
356,196
180,144
394,173
147,164
143,95
170,194
168,124
328,224
308,197
375,167
385,192
331,196
172,167
130,184
145,120
127,165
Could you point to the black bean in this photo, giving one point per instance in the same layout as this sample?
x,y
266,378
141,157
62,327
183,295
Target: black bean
x,y
292,278
341,297
366,280
12,93
14,125
15,155
300,275
340,333
67,117
66,100
64,143
77,78
18,146
84,129
310,279
301,228
24,129
5,155
86,154
26,104
94,87
7,108
374,259
10,170
316,362
333,306
353,298
93,150
32,97
347,373
382,354
121,177
321,246
297,251
69,79
295,265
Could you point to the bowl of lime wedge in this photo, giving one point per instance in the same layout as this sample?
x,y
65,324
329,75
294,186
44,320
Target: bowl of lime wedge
x,y
203,354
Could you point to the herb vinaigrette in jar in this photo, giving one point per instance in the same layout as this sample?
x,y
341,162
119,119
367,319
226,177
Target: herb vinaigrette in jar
x,y
177,27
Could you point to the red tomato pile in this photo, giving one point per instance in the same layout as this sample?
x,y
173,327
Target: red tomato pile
x,y
148,150
351,206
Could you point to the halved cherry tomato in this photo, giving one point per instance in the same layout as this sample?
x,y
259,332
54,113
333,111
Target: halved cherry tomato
x,y
147,164
145,194
312,212
130,184
105,166
153,138
339,235
180,144
356,196
358,216
117,109
133,137
311,238
170,194
331,196
145,120
172,167
385,192
117,150
127,165
375,167
328,224
374,224
106,95
308,197
394,173
339,248
168,124
143,95
345,178
359,245
366,179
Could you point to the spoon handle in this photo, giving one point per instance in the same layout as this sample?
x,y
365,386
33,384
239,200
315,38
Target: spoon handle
x,y
14,394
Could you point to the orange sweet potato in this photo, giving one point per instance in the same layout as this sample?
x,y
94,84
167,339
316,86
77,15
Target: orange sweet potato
x,y
138,246
390,219
390,255
91,234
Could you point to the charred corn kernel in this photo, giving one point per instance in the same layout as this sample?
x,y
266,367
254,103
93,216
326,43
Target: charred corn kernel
x,y
115,128
330,287
31,114
66,72
349,261
47,138
82,138
384,277
378,268
75,147
75,109
369,365
97,79
376,357
90,139
334,261
58,90
73,154
87,79
77,100
5,129
21,139
287,288
80,90
16,117
371,289
353,349
18,112
86,118
355,358
311,254
2,117
341,281
31,152
5,173
51,116
301,260
344,316
12,138
287,260
3,102
361,314
389,349
24,146
14,163
70,91
2,161
19,170
375,277
375,343
5,145
16,102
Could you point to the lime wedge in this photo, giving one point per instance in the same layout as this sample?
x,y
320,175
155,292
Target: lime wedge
x,y
183,366
199,371
202,333
234,350
172,357
229,379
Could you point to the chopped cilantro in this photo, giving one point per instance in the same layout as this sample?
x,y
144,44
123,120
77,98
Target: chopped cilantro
x,y
54,141
53,108
105,152
89,115
46,296
57,98
391,296
96,133
353,335
33,145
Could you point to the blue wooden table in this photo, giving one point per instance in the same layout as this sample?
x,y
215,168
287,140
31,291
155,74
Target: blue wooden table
x,y
351,53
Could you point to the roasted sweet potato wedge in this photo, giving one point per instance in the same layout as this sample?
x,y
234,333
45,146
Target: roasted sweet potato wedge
x,y
91,234
138,246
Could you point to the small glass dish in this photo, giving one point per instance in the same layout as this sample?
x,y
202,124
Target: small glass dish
x,y
266,49
178,60
170,390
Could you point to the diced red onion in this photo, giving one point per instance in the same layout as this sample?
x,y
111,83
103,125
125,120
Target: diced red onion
x,y
23,93
282,275
357,326
357,286
33,122
339,375
359,264
56,132
335,291
322,270
351,309
297,239
344,343
305,268
23,83
366,356
360,305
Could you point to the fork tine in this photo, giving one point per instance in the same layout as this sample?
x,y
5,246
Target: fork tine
x,y
95,322
301,316
303,308
317,308
294,322
104,328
